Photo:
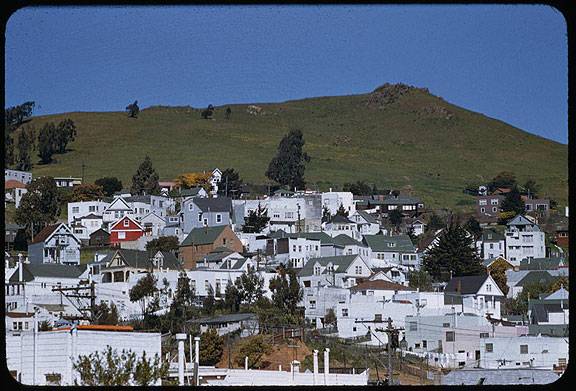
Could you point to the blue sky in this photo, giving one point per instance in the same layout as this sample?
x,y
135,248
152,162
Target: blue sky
x,y
507,62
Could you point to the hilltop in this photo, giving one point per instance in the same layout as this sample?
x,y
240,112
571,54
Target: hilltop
x,y
397,136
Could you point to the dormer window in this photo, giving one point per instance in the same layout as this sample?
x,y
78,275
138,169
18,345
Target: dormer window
x,y
317,270
391,244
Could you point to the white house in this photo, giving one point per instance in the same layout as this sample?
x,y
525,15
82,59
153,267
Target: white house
x,y
55,244
153,224
318,300
21,176
117,209
491,244
396,249
524,352
341,271
342,225
333,199
77,210
46,357
365,223
215,179
479,293
85,226
524,240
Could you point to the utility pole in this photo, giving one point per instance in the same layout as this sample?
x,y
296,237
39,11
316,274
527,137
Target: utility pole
x,y
83,166
391,332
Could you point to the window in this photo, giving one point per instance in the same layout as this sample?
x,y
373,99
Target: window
x,y
14,325
199,217
299,248
191,206
484,335
289,215
489,348
412,326
25,325
206,285
494,201
354,328
218,218
482,202
121,235
75,209
312,304
344,312
193,286
494,209
276,215
205,222
450,337
224,241
523,349
377,317
424,344
488,287
126,223
482,210
317,270
358,269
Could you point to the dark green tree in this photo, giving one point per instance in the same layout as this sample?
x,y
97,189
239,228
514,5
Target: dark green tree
x,y
341,211
183,298
230,183
163,243
250,286
358,188
87,192
133,109
40,206
208,113
209,302
25,145
228,112
47,142
232,298
145,181
435,223
256,221
8,149
110,185
287,167
145,292
104,314
17,115
211,348
531,188
326,215
513,202
286,291
498,273
65,133
395,217
255,348
456,253
473,226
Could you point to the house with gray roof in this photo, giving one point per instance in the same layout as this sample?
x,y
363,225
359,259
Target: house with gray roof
x,y
246,324
480,293
55,243
220,256
341,271
342,225
408,205
491,244
524,240
396,249
200,212
366,223
542,264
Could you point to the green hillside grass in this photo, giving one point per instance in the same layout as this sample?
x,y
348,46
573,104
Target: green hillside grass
x,y
401,145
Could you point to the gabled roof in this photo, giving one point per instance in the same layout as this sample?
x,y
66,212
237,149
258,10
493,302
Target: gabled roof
x,y
401,200
204,235
367,216
170,261
466,285
379,285
342,261
141,259
145,199
151,214
14,184
192,192
541,264
45,233
339,219
380,243
540,310
115,202
50,270
124,218
323,237
235,264
536,276
215,256
345,240
100,231
520,220
491,235
560,294
220,204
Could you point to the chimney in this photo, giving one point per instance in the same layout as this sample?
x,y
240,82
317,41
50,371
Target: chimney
x,y
246,363
20,266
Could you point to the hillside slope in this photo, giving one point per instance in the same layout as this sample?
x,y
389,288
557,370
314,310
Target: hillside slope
x,y
397,137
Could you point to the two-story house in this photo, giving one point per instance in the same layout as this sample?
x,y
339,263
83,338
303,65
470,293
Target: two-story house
x,y
199,212
396,249
126,229
55,244
488,208
201,241
524,240
491,244
341,271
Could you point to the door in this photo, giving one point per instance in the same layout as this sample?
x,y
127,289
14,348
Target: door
x,y
477,356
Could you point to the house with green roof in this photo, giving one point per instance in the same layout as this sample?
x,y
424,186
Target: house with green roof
x,y
395,249
201,241
342,225
343,271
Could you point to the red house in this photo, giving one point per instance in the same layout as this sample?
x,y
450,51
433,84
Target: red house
x,y
125,230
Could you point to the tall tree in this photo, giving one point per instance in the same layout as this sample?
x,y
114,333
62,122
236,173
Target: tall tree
x,y
531,188
47,142
419,279
25,145
250,286
104,314
65,133
341,211
435,223
133,109
498,273
255,348
395,217
456,253
287,167
232,298
39,206
513,202
256,221
211,348
144,292
326,215
209,302
359,188
16,115
8,149
109,185
230,183
145,181
183,297
286,291
195,179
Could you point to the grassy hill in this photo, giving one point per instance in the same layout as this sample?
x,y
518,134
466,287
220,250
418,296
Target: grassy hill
x,y
397,137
